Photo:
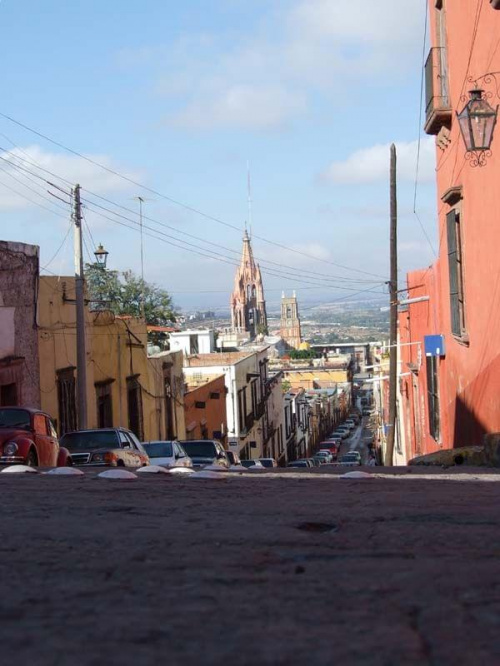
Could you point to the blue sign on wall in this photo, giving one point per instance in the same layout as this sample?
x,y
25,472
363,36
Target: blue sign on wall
x,y
434,345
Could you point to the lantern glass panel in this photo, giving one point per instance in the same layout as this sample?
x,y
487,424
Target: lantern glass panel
x,y
477,122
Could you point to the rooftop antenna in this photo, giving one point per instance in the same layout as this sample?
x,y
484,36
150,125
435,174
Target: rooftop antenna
x,y
249,190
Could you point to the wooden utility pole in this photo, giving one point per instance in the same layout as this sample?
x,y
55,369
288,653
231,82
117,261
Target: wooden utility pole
x,y
393,333
81,355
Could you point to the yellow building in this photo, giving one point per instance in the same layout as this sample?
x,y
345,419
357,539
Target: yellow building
x,y
315,378
125,386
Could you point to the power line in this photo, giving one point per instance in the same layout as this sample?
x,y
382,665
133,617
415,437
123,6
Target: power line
x,y
178,231
214,255
175,201
63,243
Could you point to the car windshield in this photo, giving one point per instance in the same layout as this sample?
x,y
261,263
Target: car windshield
x,y
266,462
94,439
14,418
349,456
159,449
248,463
199,449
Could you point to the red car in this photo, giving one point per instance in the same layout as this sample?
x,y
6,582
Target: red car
x,y
28,437
328,445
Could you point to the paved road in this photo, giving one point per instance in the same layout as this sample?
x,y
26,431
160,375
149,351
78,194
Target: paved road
x,y
357,441
269,569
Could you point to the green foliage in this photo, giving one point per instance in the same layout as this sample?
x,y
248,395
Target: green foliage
x,y
122,294
262,329
300,354
285,386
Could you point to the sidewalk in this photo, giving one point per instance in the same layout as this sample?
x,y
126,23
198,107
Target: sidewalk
x,y
254,570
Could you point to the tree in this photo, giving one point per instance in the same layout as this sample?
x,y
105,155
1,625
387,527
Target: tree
x,y
122,294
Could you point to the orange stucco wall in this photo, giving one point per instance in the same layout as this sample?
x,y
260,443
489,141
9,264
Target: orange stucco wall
x,y
211,418
469,374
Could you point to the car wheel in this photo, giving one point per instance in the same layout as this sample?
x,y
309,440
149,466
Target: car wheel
x,y
120,463
31,459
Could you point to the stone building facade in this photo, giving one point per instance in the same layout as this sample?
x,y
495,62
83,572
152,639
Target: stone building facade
x,y
19,367
290,321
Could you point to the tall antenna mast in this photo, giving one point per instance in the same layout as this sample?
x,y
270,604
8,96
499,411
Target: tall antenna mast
x,y
249,190
142,303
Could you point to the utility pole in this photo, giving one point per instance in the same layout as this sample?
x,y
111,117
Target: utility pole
x,y
81,356
393,333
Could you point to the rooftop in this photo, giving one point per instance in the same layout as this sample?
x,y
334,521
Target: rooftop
x,y
207,360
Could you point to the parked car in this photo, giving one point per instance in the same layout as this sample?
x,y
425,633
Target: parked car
x,y
268,462
337,439
343,432
115,447
28,437
299,463
206,452
255,464
350,423
351,458
167,454
331,447
354,417
323,453
234,458
313,462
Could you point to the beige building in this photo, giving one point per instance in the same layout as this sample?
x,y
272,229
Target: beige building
x,y
254,400
125,386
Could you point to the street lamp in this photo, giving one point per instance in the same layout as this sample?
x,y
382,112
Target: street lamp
x,y
101,256
477,123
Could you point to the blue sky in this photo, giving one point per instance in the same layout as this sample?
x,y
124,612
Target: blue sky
x,y
179,96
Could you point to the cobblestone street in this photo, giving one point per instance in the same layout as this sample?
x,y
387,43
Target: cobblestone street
x,y
269,569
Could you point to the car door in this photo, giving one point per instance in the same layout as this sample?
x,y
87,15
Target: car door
x,y
137,456
42,440
54,441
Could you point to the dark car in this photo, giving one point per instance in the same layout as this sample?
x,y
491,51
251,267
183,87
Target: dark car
x,y
28,437
206,452
115,447
299,463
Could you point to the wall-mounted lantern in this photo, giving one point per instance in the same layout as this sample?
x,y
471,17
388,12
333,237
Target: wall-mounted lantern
x,y
101,256
477,122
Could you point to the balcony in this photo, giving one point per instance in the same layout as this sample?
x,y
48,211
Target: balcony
x,y
437,102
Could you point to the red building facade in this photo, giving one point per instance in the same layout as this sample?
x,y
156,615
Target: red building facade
x,y
450,339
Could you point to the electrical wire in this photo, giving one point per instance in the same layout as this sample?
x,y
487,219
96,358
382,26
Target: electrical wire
x,y
63,243
217,245
215,255
175,201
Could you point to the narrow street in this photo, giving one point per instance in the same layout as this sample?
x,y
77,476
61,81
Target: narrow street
x,y
358,441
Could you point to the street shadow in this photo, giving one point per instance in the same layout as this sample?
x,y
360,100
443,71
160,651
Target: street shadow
x,y
468,429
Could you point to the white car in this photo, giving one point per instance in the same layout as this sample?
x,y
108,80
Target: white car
x,y
252,464
167,454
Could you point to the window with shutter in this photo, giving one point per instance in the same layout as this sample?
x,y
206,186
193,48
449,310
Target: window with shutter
x,y
455,267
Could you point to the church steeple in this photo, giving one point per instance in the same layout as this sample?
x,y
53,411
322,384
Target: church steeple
x,y
248,305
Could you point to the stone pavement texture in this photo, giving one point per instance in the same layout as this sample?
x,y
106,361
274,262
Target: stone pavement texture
x,y
266,569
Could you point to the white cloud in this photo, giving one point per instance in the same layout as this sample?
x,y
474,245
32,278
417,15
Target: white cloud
x,y
370,165
385,22
241,105
17,164
269,77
